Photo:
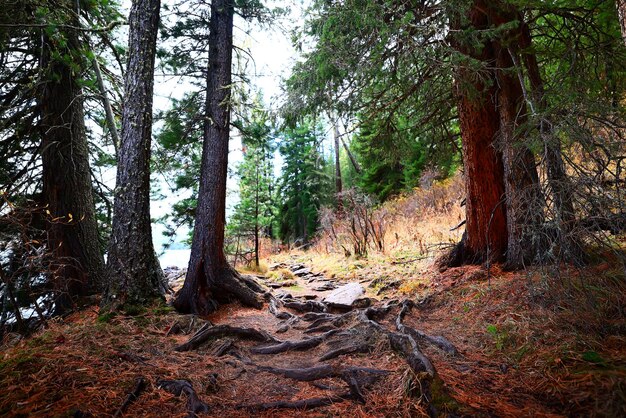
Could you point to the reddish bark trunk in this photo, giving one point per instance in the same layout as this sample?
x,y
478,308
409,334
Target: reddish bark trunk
x,y
486,227
496,226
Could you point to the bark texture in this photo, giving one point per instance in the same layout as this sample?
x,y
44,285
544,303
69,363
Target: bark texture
x,y
486,228
621,12
210,279
78,266
135,275
502,184
523,198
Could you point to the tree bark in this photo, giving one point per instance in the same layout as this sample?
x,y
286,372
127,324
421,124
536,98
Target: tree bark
x,y
486,233
78,267
135,276
504,202
210,279
621,13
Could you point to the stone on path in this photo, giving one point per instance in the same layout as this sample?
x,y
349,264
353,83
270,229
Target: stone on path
x,y
345,295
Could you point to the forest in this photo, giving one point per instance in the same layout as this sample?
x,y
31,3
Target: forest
x,y
359,208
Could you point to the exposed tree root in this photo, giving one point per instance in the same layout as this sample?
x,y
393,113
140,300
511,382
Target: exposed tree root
x,y
308,306
203,291
325,371
350,349
140,385
321,328
207,332
356,331
300,404
178,387
439,341
293,345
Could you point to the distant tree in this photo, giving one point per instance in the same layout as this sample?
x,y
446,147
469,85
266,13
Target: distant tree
x,y
303,186
210,279
254,213
135,275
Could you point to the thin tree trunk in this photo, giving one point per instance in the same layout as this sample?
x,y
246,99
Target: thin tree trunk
x,y
209,278
621,12
353,160
135,276
256,218
338,183
108,110
78,267
558,180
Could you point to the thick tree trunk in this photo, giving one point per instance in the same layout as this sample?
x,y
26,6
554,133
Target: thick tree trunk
x,y
78,267
209,277
502,225
135,274
486,232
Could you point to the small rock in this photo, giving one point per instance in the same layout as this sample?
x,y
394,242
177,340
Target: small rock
x,y
325,286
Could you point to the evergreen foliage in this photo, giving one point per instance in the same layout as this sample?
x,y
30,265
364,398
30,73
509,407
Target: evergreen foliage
x,y
254,214
303,187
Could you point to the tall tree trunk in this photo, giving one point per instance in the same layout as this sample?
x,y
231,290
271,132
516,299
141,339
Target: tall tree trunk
x,y
502,112
135,275
338,183
486,232
78,267
210,279
524,200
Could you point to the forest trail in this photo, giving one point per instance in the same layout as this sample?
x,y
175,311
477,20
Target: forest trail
x,y
387,355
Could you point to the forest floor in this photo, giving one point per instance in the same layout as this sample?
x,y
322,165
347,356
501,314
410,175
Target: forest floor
x,y
525,344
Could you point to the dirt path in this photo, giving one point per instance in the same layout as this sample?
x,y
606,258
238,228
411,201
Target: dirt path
x,y
305,352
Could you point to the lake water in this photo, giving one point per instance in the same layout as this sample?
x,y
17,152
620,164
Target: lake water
x,y
175,258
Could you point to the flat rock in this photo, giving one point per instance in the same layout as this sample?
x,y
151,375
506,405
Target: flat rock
x,y
345,295
302,272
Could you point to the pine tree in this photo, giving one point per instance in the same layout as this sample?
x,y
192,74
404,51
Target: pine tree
x,y
254,214
135,275
304,187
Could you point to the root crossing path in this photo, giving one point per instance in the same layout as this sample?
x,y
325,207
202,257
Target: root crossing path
x,y
309,350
